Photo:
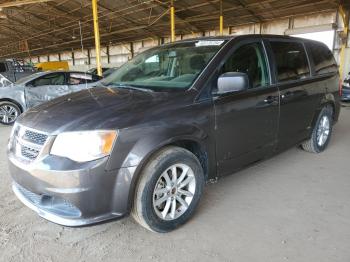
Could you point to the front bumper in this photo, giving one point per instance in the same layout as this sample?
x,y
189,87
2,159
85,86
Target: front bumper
x,y
70,193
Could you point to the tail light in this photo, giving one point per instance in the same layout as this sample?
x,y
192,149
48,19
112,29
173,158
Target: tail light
x,y
340,87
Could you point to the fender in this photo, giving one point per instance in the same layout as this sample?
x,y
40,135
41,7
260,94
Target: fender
x,y
14,94
135,150
327,99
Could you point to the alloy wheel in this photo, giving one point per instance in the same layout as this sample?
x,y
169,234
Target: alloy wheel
x,y
174,192
8,114
323,131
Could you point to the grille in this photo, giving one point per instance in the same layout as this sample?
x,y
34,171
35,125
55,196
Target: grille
x,y
29,153
35,137
28,143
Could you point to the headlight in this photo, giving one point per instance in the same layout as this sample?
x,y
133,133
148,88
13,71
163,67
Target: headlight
x,y
84,146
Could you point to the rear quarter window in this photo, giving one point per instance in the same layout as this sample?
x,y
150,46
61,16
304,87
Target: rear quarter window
x,y
291,61
323,59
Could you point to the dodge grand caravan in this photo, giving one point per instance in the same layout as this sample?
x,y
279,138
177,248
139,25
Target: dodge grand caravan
x,y
148,137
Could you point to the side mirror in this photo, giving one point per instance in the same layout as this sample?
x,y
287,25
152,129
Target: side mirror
x,y
232,82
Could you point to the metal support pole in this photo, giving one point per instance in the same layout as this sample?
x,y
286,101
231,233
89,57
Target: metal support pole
x,y
108,55
132,49
97,37
345,17
172,21
89,56
221,20
73,58
221,25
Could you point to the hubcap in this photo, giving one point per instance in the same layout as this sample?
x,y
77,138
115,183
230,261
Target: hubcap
x,y
323,131
8,114
174,192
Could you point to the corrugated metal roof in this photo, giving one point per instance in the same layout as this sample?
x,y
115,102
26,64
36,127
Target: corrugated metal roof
x,y
54,26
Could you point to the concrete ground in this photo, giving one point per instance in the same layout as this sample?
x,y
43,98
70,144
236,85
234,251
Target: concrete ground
x,y
293,207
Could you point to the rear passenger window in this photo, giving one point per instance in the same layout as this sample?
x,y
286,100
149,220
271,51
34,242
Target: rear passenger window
x,y
291,61
323,59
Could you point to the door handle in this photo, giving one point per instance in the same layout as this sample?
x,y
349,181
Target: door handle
x,y
271,100
287,94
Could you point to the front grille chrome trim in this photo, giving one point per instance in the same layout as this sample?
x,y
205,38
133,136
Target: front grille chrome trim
x,y
28,143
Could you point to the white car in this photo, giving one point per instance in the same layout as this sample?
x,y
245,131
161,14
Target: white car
x,y
39,88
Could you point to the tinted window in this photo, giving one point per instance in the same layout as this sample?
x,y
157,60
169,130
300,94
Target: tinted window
x,y
291,61
51,79
2,67
249,59
323,58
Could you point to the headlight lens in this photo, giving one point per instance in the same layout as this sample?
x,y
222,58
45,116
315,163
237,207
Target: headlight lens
x,y
84,146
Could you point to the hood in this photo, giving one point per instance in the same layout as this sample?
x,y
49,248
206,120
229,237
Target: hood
x,y
95,108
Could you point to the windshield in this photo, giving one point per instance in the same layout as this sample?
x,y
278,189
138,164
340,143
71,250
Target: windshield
x,y
174,66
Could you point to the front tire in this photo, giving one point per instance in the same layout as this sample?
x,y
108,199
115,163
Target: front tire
x,y
168,190
8,113
321,133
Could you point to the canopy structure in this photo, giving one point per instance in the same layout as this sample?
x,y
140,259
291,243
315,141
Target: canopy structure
x,y
38,27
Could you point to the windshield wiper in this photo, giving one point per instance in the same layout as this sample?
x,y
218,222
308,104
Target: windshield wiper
x,y
130,87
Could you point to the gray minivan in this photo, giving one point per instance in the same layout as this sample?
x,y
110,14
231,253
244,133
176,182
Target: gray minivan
x,y
150,135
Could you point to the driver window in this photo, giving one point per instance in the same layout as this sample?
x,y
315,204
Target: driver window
x,y
49,80
249,59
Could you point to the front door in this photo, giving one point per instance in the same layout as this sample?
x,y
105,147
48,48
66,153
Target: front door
x,y
46,88
246,122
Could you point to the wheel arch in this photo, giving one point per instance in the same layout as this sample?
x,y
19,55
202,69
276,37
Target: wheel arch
x,y
12,101
327,100
191,144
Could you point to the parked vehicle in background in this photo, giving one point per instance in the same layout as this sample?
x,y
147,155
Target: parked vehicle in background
x,y
52,66
346,89
38,88
12,70
148,137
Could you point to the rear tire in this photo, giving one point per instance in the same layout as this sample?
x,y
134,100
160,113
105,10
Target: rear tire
x,y
9,112
164,201
321,133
